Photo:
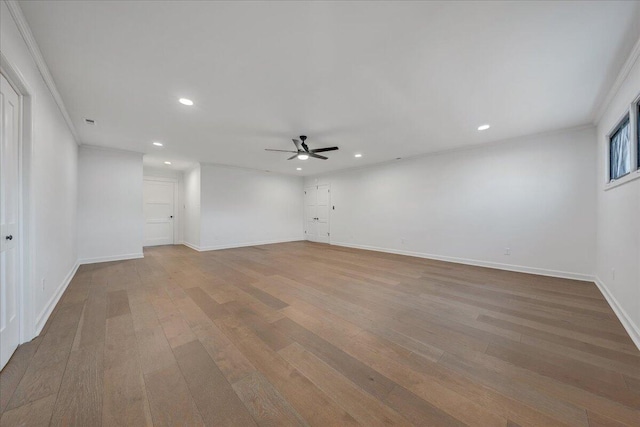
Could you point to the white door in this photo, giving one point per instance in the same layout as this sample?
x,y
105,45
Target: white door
x,y
310,213
317,206
158,212
322,214
9,217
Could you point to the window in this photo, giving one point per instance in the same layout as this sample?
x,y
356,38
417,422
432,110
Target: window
x,y
623,148
620,151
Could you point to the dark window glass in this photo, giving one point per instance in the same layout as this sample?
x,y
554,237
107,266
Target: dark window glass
x,y
620,151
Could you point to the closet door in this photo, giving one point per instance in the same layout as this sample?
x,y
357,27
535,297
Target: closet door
x,y
310,209
158,212
322,213
9,221
316,213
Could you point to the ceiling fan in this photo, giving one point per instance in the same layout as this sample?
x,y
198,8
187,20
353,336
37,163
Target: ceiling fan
x,y
302,150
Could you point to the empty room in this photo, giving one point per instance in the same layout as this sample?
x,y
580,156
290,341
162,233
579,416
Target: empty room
x,y
319,213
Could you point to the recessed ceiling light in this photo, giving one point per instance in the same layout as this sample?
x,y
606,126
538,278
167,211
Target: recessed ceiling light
x,y
484,127
167,163
158,144
185,101
298,169
358,155
303,156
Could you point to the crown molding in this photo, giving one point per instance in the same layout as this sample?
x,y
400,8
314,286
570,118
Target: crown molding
x,y
36,54
111,149
622,76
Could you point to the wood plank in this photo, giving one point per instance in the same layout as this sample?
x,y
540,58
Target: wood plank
x,y
169,398
15,369
417,410
364,376
266,405
34,414
44,374
597,420
80,397
267,332
124,394
94,319
363,407
211,308
177,330
117,303
315,406
217,402
577,376
262,296
231,361
154,350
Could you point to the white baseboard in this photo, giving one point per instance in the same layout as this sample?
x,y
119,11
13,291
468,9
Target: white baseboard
x,y
111,258
239,245
192,246
479,263
632,329
48,309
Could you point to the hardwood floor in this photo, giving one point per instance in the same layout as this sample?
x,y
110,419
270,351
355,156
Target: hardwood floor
x,y
307,334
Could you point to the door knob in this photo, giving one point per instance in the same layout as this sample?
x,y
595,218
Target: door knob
x,y
9,237
171,216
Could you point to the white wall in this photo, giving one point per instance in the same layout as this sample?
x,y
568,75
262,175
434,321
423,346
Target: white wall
x,y
110,211
618,225
533,195
247,207
192,207
53,191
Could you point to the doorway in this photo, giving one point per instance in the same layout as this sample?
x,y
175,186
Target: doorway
x,y
317,203
159,212
10,252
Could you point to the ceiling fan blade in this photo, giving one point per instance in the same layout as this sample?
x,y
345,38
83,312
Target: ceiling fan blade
x,y
293,157
280,151
321,150
306,148
317,156
297,143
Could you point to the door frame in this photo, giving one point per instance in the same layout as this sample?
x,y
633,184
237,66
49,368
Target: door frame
x,y
304,213
26,251
178,205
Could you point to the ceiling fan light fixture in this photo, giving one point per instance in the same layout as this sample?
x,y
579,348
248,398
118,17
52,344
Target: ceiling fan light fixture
x,y
303,156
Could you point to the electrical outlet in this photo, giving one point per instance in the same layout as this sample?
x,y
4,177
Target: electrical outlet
x,y
43,283
507,251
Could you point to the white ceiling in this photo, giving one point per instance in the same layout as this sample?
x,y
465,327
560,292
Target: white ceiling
x,y
385,79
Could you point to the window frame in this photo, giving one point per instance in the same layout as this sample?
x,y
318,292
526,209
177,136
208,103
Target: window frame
x,y
637,129
632,113
624,121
